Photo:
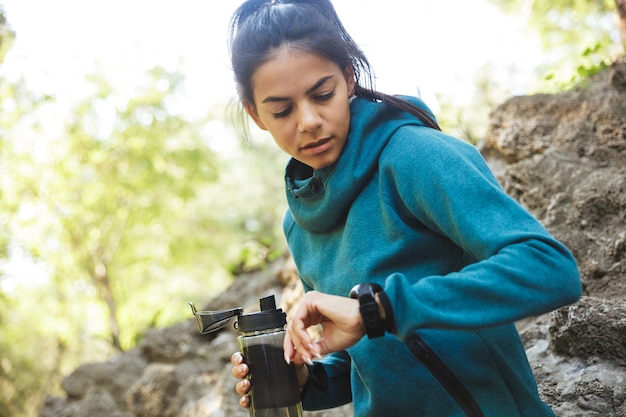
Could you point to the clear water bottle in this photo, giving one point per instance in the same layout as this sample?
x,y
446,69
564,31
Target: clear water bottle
x,y
274,384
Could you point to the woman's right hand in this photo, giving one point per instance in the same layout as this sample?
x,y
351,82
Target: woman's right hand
x,y
240,371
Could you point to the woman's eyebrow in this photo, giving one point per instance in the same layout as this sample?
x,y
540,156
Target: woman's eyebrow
x,y
318,84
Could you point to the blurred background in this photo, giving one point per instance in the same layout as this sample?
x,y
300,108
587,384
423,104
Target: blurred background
x,y
125,190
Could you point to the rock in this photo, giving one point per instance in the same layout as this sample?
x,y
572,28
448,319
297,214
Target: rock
x,y
562,156
156,392
570,172
98,382
173,344
592,329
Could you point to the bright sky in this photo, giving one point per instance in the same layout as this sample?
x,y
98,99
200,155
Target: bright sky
x,y
414,45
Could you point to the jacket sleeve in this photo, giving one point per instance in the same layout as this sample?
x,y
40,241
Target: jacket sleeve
x,y
329,383
517,270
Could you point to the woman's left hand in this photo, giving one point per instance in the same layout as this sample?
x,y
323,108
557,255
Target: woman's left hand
x,y
342,326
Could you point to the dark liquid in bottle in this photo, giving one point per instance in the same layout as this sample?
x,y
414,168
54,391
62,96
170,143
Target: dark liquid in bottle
x,y
274,383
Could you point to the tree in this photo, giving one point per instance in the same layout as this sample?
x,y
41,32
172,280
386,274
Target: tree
x,y
121,211
111,197
621,12
6,35
580,36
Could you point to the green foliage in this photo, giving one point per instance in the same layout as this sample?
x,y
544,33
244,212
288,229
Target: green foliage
x,y
589,63
470,123
116,212
27,363
579,36
112,199
6,35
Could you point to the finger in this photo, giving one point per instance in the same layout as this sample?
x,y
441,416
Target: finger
x,y
297,330
244,401
318,348
291,354
237,358
300,342
288,348
240,371
242,387
322,347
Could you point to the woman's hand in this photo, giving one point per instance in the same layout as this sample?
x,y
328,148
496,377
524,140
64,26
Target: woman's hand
x,y
342,326
241,370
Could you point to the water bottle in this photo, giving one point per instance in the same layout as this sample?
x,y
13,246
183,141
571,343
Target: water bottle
x,y
274,384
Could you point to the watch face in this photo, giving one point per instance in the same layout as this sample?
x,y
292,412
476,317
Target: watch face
x,y
365,291
358,290
354,292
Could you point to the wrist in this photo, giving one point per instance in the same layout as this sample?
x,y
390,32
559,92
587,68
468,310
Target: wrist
x,y
302,373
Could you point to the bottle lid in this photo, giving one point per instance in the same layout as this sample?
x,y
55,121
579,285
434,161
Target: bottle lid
x,y
269,317
211,321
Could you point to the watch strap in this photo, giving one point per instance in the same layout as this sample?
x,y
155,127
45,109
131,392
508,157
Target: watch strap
x,y
390,319
365,293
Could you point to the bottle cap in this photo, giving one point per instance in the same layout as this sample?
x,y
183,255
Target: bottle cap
x,y
269,317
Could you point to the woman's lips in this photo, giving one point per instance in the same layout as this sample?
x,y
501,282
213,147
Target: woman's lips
x,y
317,146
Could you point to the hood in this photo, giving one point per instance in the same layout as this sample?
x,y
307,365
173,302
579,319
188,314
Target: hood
x,y
319,200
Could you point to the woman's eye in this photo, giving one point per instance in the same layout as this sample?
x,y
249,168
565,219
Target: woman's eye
x,y
325,97
283,113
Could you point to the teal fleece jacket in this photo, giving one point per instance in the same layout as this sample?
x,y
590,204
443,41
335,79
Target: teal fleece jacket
x,y
420,213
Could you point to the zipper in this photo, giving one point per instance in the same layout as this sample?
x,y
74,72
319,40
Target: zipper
x,y
444,375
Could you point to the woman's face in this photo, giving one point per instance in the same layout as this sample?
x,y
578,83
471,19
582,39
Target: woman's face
x,y
303,100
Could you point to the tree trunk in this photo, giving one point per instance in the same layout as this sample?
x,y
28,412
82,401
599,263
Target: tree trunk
x,y
104,284
621,12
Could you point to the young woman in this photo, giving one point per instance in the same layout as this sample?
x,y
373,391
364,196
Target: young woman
x,y
414,260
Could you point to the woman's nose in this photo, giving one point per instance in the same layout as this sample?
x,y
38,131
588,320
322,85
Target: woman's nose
x,y
309,120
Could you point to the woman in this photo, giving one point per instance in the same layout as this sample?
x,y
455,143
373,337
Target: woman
x,y
413,258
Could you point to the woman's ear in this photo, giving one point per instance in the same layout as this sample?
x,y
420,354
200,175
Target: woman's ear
x,y
348,74
252,112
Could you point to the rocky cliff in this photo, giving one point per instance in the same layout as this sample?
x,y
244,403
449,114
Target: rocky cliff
x,y
562,156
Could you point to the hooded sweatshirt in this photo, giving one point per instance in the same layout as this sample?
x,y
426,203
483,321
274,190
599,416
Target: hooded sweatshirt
x,y
420,213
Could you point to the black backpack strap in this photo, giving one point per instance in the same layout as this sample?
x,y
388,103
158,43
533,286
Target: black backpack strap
x,y
444,375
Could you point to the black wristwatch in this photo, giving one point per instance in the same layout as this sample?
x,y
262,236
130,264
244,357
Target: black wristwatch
x,y
365,293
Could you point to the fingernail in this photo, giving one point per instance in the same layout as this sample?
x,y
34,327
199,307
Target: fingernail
x,y
314,348
287,359
309,361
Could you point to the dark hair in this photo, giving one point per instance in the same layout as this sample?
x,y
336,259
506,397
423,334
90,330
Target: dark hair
x,y
259,27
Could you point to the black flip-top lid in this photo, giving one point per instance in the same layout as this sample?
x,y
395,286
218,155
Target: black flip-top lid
x,y
268,318
211,321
